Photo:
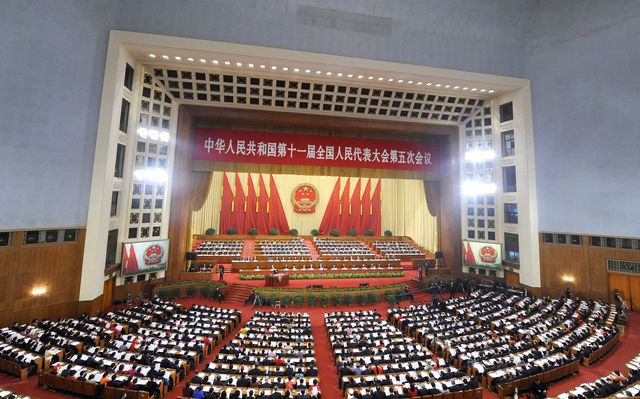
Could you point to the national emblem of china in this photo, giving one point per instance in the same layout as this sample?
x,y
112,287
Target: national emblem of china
x,y
304,198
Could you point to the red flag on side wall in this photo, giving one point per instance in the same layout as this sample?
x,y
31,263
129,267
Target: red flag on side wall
x,y
331,218
226,206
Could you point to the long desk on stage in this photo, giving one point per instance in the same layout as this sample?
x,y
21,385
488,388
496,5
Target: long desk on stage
x,y
246,266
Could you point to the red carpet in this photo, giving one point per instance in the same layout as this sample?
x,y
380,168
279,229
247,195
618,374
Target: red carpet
x,y
628,347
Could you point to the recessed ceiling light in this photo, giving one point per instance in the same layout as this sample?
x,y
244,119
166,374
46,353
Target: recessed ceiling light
x,y
400,81
474,89
483,90
296,69
239,64
370,77
492,91
429,84
419,83
360,76
307,71
329,73
152,55
410,82
285,69
318,72
166,57
456,87
437,85
203,60
465,88
274,68
190,59
178,58
339,74
227,62
350,75
250,65
390,80
215,62
380,78
447,86
263,66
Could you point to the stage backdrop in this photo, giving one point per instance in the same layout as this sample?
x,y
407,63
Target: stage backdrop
x,y
404,204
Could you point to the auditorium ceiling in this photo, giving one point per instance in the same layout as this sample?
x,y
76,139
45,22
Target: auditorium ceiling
x,y
306,83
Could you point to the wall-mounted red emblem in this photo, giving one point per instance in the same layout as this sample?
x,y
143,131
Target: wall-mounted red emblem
x,y
304,198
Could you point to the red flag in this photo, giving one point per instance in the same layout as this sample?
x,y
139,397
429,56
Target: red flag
x,y
344,209
130,261
354,211
277,217
252,202
262,213
331,218
376,210
226,206
365,221
238,205
469,258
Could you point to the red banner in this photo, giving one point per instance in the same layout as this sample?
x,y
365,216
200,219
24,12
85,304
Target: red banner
x,y
223,145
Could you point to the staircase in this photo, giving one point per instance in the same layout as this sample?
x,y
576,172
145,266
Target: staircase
x,y
418,298
247,249
195,245
238,293
312,249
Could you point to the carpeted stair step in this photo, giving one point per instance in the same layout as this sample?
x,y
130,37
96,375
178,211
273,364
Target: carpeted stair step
x,y
238,293
312,249
248,248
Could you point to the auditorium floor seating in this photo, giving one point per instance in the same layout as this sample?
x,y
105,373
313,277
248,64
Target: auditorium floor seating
x,y
617,358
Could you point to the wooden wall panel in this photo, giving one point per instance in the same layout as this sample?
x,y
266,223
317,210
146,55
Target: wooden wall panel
x,y
449,228
56,266
511,278
586,264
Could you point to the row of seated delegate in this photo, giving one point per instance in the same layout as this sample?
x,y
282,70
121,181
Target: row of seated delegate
x,y
503,337
275,248
375,358
220,248
328,247
9,394
396,248
149,348
607,386
272,356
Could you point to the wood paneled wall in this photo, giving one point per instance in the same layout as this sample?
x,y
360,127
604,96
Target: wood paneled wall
x,y
56,266
586,264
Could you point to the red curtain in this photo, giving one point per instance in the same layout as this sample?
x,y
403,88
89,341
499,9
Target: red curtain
x,y
365,219
238,206
376,210
252,202
331,218
226,207
354,209
262,212
277,217
344,209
